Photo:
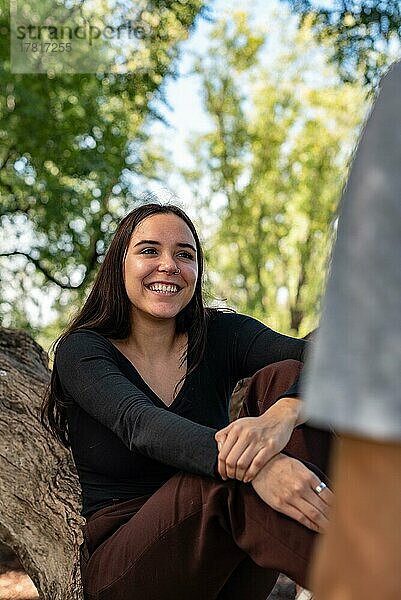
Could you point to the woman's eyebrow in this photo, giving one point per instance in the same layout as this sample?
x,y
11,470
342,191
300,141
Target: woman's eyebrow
x,y
155,243
186,245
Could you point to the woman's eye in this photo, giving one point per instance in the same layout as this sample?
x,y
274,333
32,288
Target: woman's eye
x,y
186,255
148,251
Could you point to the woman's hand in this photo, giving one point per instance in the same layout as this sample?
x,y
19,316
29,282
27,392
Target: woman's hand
x,y
247,444
288,486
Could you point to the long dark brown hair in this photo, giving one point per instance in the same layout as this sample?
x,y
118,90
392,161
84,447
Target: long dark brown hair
x,y
107,310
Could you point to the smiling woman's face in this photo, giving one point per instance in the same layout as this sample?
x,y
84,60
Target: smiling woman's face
x,y
161,267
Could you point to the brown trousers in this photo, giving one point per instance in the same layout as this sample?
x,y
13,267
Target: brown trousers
x,y
198,538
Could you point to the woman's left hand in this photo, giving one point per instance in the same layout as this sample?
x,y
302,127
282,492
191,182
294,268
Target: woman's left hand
x,y
247,444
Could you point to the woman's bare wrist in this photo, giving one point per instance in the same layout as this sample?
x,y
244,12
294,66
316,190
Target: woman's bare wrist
x,y
289,410
294,407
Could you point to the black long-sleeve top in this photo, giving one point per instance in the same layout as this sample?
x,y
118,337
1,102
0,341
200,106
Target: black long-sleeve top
x,y
125,441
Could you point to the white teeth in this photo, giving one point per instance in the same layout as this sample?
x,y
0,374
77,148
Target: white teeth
x,y
163,289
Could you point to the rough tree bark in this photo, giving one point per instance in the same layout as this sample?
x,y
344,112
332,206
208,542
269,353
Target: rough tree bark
x,y
39,490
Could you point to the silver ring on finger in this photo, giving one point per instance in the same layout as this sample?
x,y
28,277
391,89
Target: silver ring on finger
x,y
319,488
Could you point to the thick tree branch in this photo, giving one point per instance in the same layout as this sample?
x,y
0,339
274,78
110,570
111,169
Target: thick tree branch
x,y
39,491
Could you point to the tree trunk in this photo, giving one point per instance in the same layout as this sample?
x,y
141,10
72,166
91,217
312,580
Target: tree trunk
x,y
39,489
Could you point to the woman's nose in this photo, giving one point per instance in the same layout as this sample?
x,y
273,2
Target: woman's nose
x,y
167,265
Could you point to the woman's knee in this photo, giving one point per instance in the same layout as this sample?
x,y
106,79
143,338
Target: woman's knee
x,y
268,384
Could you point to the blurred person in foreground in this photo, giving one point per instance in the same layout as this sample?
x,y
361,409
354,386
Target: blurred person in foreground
x,y
354,379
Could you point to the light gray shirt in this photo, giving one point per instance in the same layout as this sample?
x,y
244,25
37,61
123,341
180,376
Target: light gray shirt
x,y
353,377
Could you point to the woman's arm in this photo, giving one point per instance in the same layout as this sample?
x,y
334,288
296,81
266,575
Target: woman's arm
x,y
247,444
90,376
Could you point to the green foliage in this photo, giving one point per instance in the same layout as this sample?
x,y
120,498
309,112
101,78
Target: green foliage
x,y
363,32
74,155
271,169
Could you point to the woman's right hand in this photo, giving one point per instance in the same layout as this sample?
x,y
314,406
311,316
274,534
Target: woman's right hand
x,y
286,485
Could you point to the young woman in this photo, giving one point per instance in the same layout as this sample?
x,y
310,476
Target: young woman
x,y
178,503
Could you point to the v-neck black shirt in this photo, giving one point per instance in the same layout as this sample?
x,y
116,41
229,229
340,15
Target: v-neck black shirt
x,y
126,442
